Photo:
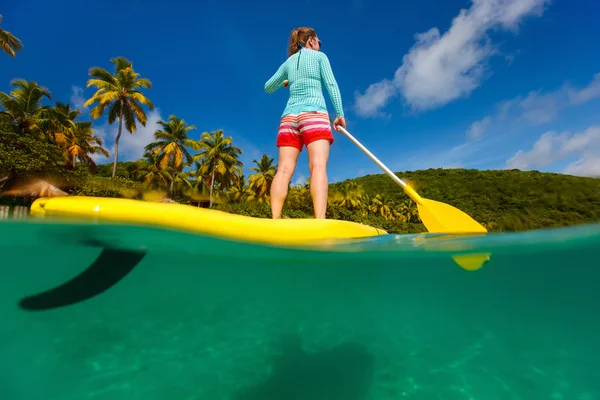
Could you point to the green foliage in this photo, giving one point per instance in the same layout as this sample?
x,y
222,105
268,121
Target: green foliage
x,y
24,109
107,187
9,43
124,170
291,213
503,200
248,208
41,140
24,155
389,225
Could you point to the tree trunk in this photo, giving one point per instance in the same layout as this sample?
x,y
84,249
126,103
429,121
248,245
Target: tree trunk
x,y
3,180
114,171
172,183
212,182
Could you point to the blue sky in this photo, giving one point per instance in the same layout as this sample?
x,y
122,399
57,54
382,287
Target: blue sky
x,y
485,84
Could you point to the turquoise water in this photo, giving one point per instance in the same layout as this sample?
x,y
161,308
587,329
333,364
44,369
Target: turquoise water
x,y
167,315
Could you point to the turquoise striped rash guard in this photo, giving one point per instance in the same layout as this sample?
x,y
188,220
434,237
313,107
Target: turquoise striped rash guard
x,y
307,71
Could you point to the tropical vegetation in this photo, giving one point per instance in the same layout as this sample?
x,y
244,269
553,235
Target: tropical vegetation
x,y
9,43
43,138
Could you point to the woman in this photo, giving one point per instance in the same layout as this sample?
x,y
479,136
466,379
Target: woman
x,y
305,120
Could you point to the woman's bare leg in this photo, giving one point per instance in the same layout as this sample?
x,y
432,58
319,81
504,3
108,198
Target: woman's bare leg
x,y
285,169
318,156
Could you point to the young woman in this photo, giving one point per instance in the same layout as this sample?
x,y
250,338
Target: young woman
x,y
305,120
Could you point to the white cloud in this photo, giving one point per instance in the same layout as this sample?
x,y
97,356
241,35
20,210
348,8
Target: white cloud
x,y
545,151
541,108
131,147
585,167
375,98
537,107
77,98
478,128
552,147
590,92
441,68
510,119
300,180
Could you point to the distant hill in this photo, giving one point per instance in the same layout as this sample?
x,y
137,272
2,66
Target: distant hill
x,y
503,199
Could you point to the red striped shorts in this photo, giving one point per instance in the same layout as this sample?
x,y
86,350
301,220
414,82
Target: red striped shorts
x,y
301,129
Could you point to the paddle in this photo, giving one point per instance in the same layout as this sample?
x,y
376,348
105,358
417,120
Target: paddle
x,y
437,217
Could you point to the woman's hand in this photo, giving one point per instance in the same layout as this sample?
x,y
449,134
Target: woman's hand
x,y
339,121
285,83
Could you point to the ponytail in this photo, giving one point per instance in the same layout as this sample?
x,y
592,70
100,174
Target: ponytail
x,y
294,46
298,39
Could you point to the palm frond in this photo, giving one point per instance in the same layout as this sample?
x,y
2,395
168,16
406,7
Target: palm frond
x,y
97,111
102,77
140,98
137,110
142,83
9,43
129,118
121,63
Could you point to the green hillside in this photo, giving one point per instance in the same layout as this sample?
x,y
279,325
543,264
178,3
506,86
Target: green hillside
x,y
504,200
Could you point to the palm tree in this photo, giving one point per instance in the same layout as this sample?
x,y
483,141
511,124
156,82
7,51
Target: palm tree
x,y
66,111
199,183
170,147
260,182
350,195
181,178
409,210
77,139
298,196
148,171
218,160
23,108
240,190
79,143
9,43
120,92
62,121
383,206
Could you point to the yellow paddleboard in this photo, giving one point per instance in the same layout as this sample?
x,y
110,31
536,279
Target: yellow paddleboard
x,y
200,220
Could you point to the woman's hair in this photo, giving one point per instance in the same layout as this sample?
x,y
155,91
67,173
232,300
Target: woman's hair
x,y
299,37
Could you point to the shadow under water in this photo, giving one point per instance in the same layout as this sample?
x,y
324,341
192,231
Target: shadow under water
x,y
342,372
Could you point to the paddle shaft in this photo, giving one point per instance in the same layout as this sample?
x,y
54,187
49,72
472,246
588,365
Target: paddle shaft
x,y
399,181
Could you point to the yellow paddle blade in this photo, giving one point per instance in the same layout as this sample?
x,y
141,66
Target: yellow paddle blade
x,y
472,262
440,217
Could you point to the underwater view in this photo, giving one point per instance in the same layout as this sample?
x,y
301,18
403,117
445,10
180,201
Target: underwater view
x,y
101,311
